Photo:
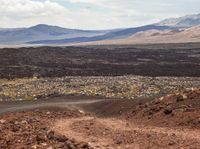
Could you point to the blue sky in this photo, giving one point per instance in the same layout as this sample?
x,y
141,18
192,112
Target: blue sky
x,y
92,14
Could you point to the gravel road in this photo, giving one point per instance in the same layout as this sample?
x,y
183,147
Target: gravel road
x,y
59,102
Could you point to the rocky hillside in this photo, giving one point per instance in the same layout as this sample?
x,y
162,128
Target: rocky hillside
x,y
174,110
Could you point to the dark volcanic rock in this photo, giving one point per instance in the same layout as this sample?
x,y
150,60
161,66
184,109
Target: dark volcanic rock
x,y
168,110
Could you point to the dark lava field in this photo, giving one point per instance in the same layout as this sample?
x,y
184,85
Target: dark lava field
x,y
144,60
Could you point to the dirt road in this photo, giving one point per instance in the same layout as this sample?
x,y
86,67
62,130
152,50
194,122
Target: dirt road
x,y
112,133
59,102
98,122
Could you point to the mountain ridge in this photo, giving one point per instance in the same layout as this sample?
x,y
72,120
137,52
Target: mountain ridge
x,y
49,35
187,35
110,35
41,32
183,22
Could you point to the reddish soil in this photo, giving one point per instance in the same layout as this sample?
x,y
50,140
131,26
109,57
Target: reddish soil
x,y
114,133
177,110
32,130
170,122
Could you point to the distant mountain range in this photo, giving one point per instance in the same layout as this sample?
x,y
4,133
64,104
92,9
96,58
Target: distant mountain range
x,y
183,29
44,32
182,22
156,36
113,34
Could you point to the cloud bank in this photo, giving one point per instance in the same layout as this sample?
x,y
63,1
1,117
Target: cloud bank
x,y
92,14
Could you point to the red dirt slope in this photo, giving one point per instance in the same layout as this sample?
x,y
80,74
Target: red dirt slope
x,y
32,130
181,109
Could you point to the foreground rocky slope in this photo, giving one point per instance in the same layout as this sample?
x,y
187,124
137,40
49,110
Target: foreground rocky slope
x,y
32,130
168,122
175,110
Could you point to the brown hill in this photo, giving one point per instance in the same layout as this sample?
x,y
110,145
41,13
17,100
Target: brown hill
x,y
175,110
156,36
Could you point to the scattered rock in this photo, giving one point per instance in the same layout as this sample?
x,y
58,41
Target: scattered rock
x,y
40,138
24,122
180,98
168,111
15,128
44,144
48,113
50,134
69,144
148,135
171,143
31,130
84,145
118,142
2,121
60,138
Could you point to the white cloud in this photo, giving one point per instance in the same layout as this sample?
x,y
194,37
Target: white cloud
x,y
29,8
88,1
15,13
140,12
91,14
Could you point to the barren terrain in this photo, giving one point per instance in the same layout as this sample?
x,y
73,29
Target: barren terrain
x,y
125,87
173,123
149,60
100,97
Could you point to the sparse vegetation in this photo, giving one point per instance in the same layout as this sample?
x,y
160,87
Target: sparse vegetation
x,y
109,87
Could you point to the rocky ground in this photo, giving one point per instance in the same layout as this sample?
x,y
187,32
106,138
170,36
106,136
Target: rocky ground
x,y
32,130
168,122
144,60
175,110
128,87
139,112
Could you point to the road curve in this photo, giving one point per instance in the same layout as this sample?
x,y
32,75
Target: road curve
x,y
60,102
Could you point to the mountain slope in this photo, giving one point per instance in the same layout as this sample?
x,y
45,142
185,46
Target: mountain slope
x,y
182,22
124,33
156,36
49,35
43,32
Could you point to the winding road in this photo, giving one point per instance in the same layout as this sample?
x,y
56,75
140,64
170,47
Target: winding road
x,y
58,102
107,132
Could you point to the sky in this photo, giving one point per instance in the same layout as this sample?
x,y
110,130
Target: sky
x,y
92,14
